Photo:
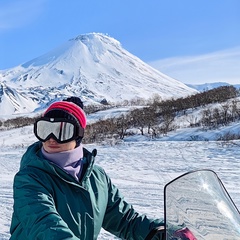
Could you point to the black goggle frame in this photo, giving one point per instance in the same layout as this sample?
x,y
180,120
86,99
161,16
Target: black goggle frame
x,y
43,124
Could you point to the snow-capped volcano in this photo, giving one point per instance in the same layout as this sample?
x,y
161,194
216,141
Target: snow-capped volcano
x,y
93,66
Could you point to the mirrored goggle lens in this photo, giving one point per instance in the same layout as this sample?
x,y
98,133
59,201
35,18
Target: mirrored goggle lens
x,y
63,131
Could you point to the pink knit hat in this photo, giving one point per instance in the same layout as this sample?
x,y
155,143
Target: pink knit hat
x,y
63,108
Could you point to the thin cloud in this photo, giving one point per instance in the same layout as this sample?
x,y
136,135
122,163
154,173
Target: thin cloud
x,y
221,66
17,13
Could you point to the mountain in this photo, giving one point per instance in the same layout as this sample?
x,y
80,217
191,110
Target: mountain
x,y
93,66
209,86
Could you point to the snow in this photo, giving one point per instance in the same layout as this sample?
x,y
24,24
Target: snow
x,y
140,168
209,86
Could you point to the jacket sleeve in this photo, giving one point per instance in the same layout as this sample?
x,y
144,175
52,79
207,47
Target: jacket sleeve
x,y
123,221
35,211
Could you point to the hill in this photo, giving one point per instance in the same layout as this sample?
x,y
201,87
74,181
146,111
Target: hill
x,y
93,66
209,86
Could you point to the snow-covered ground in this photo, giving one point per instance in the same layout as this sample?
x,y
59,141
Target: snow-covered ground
x,y
140,168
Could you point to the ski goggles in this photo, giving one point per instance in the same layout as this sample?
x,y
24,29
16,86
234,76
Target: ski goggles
x,y
60,129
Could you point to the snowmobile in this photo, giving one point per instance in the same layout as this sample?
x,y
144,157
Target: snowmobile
x,y
198,204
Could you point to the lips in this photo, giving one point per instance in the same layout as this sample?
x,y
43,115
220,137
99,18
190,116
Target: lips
x,y
53,146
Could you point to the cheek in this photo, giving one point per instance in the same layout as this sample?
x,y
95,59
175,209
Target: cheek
x,y
44,145
70,146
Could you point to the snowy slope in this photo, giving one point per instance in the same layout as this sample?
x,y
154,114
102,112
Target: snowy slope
x,y
209,86
93,66
140,169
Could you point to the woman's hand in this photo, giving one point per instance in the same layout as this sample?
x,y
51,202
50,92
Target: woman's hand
x,y
159,234
184,234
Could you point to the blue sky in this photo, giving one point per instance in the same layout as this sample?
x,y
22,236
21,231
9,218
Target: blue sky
x,y
194,41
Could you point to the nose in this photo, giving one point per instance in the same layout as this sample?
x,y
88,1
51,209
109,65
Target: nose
x,y
52,140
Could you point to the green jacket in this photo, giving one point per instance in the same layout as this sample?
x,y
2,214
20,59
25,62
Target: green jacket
x,y
50,204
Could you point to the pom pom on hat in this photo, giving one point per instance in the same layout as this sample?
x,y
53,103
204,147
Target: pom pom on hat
x,y
75,100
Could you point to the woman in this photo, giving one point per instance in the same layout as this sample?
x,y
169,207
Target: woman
x,y
59,193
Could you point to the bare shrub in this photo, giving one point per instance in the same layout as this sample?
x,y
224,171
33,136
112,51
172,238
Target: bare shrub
x,y
228,136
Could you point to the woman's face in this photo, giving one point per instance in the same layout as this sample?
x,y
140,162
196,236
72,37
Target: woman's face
x,y
51,146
